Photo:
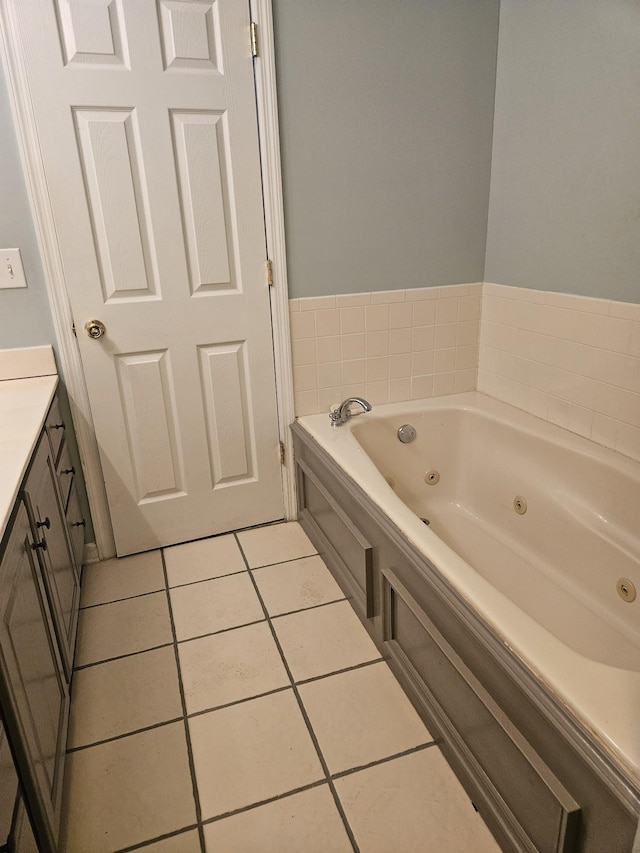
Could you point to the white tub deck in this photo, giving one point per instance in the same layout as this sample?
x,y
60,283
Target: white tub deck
x,y
546,580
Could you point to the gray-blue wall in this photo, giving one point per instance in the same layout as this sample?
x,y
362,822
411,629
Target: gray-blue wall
x,y
25,318
386,111
565,184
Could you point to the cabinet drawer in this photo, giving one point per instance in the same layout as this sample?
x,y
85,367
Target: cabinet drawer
x,y
76,525
55,428
484,739
66,473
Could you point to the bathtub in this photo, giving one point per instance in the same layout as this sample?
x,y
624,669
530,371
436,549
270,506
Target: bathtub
x,y
535,528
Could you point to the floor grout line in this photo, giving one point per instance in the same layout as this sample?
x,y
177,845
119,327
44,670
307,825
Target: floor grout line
x,y
190,756
73,749
80,667
307,721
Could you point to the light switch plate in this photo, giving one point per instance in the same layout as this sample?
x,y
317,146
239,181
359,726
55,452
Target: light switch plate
x,y
11,269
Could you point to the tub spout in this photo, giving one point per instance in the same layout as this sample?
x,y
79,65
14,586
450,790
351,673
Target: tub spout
x,y
342,414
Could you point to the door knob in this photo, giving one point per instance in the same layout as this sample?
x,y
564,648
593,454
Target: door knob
x,y
95,328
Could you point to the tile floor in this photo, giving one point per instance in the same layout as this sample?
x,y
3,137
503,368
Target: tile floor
x,y
226,699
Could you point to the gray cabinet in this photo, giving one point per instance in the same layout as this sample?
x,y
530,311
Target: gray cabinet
x,y
40,556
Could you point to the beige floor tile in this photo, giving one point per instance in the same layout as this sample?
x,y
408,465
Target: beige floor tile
x,y
275,544
124,695
122,627
295,585
361,716
413,803
113,580
227,667
127,791
202,560
215,605
308,821
326,639
251,752
186,842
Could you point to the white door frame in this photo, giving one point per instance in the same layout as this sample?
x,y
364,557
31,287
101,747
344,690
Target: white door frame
x,y
67,348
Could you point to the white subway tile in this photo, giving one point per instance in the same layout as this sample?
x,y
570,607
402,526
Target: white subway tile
x,y
329,398
306,403
466,358
329,375
317,303
422,363
421,386
328,322
353,372
377,369
469,308
424,313
468,333
303,351
465,380
580,420
294,305
443,383
377,343
625,310
616,334
453,290
423,338
400,365
352,300
352,320
400,315
446,335
634,343
421,293
444,360
628,440
604,429
303,325
387,296
400,340
377,317
447,310
377,393
305,377
399,390
328,349
353,346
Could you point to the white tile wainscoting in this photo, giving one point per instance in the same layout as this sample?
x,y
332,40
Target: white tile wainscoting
x,y
571,360
387,346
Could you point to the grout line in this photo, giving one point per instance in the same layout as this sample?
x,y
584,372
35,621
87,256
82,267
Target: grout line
x,y
266,802
277,562
306,609
296,693
72,749
144,845
221,631
193,714
420,748
340,671
192,769
205,580
79,667
120,600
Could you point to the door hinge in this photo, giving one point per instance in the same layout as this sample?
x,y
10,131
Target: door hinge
x,y
254,39
282,452
269,266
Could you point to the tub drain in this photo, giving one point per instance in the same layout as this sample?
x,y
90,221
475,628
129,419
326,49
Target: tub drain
x,y
626,589
432,477
520,504
425,521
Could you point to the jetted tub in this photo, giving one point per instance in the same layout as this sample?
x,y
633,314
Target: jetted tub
x,y
536,528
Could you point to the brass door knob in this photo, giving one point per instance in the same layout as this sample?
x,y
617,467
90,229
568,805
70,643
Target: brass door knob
x,y
95,329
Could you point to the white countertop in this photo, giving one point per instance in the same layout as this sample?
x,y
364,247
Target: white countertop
x,y
24,403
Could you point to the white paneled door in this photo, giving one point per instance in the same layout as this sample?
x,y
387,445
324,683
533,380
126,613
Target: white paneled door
x,y
146,120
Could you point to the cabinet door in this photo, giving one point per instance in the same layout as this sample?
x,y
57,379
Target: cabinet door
x,y
34,691
58,565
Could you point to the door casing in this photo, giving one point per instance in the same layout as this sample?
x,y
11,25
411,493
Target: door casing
x,y
66,344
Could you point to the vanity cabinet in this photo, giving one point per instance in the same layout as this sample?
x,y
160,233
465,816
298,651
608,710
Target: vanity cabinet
x,y
40,557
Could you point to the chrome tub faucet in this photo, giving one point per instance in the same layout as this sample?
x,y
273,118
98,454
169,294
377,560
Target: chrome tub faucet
x,y
343,412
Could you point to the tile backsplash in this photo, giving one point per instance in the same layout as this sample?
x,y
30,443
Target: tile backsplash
x,y
572,360
386,346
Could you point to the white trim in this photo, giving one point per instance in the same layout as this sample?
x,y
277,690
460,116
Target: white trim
x,y
66,344
265,72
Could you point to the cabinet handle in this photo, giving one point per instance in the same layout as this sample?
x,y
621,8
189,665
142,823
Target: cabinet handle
x,y
42,545
68,471
57,426
46,523
82,523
